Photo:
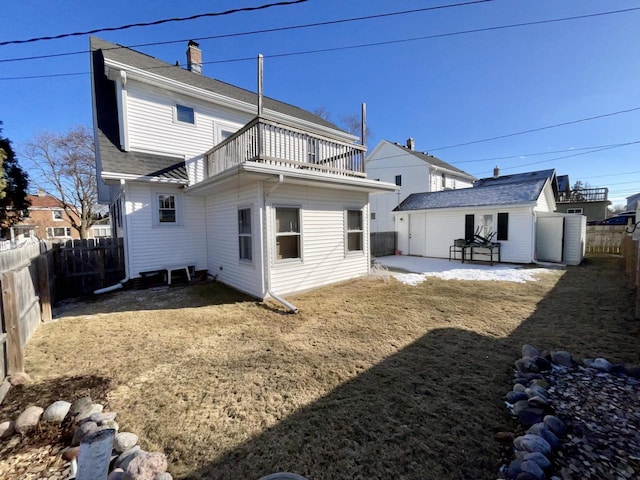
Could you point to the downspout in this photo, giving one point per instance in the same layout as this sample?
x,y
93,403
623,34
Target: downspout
x,y
265,249
121,283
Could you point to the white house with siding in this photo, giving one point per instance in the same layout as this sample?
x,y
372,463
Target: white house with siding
x,y
411,171
519,210
270,201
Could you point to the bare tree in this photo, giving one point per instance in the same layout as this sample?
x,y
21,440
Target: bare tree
x,y
351,123
64,165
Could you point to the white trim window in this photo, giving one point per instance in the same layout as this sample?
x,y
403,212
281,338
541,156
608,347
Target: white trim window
x,y
58,232
245,237
185,114
288,233
577,211
486,225
57,215
167,211
354,230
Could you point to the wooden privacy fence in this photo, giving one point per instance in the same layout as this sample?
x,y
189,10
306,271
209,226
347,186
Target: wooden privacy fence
x,y
26,301
83,266
383,243
605,238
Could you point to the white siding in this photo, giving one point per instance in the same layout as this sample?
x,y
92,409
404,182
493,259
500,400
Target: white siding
x,y
152,126
323,238
575,233
222,239
443,226
153,246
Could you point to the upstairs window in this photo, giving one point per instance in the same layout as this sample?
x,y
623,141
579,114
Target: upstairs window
x,y
57,215
287,233
574,210
354,231
185,114
399,180
244,234
166,209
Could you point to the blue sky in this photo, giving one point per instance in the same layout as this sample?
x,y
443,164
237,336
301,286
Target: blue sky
x,y
441,91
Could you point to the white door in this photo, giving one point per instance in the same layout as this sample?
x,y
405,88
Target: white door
x,y
549,239
418,234
402,226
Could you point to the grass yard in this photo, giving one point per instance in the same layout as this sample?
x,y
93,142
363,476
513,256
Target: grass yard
x,y
372,380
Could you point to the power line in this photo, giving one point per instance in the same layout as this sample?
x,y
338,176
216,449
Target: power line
x,y
347,47
156,22
254,32
532,130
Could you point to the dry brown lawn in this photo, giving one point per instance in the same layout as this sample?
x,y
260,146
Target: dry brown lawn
x,y
373,379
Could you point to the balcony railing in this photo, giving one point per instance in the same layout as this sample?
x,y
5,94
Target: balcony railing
x,y
270,143
584,195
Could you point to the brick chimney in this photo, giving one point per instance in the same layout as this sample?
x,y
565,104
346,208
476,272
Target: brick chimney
x,y
194,57
496,172
411,144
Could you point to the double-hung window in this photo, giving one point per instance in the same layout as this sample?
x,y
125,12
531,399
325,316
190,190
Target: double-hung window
x,y
355,231
287,233
166,209
244,234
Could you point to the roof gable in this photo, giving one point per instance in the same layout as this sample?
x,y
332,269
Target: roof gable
x,y
514,193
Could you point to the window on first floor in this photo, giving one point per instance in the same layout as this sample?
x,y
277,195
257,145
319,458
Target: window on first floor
x,y
575,210
486,225
58,232
244,234
287,233
503,226
166,209
101,232
355,231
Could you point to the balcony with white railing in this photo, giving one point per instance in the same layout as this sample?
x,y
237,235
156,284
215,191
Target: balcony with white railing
x,y
272,143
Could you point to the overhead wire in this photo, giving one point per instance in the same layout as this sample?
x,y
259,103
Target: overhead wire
x,y
153,23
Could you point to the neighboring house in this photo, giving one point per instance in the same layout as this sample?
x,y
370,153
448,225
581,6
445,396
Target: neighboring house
x,y
270,202
101,229
632,202
591,202
413,172
518,209
47,220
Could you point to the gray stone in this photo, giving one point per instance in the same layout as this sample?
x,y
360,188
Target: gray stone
x,y
530,416
525,476
56,412
526,365
163,476
533,469
543,431
519,387
530,351
539,382
124,441
81,404
532,443
602,365
554,424
539,458
514,469
562,358
28,420
542,363
86,413
539,401
146,466
82,431
6,429
109,424
100,417
125,457
116,474
513,397
534,390
20,378
520,405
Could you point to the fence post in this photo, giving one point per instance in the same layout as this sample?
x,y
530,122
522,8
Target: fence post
x,y
15,355
44,292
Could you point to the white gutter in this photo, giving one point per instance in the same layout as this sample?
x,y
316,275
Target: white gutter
x,y
265,249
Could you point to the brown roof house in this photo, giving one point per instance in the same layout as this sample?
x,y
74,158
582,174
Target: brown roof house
x,y
47,220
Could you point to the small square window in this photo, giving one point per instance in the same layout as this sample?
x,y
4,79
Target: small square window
x,y
57,214
185,114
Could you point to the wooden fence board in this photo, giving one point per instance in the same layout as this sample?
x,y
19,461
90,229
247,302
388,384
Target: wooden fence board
x,y
605,238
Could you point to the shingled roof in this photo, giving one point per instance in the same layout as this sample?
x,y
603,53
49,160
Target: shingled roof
x,y
515,193
424,156
115,160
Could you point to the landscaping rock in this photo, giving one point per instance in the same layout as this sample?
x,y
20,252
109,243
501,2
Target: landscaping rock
x,y
539,458
20,378
146,466
519,387
602,365
530,416
124,441
543,431
80,405
116,474
125,457
86,413
6,429
82,431
56,412
554,424
513,397
539,382
525,476
526,365
530,351
543,364
28,420
163,476
532,443
533,469
100,417
539,402
562,358
519,406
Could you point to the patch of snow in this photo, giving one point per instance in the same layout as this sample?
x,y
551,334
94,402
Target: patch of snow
x,y
420,268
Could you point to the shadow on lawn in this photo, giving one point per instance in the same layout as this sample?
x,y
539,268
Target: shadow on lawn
x,y
396,421
158,298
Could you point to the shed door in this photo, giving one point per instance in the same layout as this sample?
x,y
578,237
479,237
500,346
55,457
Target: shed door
x,y
418,234
549,239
